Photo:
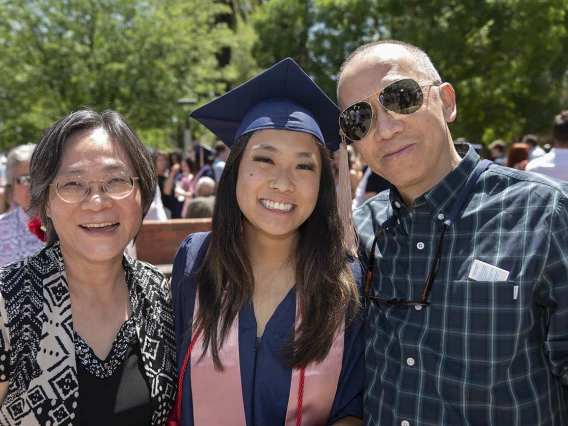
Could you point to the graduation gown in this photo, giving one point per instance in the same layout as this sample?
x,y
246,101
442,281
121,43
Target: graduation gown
x,y
264,380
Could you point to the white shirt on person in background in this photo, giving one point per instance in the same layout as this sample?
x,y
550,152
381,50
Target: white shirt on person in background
x,y
16,239
156,211
218,167
536,152
554,164
361,189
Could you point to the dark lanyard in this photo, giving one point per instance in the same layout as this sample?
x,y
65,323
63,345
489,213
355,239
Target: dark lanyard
x,y
450,218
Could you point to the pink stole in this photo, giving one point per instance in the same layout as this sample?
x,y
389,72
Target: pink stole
x,y
218,399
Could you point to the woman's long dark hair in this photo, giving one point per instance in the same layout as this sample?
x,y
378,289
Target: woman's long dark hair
x,y
324,282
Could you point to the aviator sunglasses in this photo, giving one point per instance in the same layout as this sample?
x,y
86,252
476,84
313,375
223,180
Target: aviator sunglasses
x,y
401,97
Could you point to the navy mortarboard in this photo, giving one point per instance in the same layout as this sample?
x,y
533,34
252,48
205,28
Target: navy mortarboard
x,y
283,97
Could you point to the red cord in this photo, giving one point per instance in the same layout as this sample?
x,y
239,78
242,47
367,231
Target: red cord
x,y
182,374
301,396
301,387
184,366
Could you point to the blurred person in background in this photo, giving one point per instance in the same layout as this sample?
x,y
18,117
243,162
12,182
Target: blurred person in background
x,y
498,150
86,332
162,167
223,152
555,163
182,188
535,151
203,156
202,205
4,202
175,157
518,156
20,235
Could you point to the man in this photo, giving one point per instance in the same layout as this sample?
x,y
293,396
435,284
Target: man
x,y
555,163
202,205
498,152
220,159
535,151
485,340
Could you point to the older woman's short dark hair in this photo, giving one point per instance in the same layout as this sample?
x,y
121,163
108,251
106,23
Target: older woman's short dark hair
x,y
47,156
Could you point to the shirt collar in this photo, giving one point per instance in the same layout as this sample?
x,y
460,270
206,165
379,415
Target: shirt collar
x,y
441,197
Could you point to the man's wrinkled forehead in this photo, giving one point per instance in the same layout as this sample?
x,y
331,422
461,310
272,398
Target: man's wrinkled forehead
x,y
384,64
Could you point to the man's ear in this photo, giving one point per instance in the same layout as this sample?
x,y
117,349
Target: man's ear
x,y
449,106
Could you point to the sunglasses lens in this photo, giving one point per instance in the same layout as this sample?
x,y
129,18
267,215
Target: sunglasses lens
x,y
402,97
356,121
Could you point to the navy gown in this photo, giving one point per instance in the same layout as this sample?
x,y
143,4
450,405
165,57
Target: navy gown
x,y
265,381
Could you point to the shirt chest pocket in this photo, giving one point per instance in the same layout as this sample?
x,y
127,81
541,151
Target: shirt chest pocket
x,y
483,320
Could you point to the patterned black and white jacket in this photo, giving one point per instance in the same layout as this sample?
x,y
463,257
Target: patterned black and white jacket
x,y
37,351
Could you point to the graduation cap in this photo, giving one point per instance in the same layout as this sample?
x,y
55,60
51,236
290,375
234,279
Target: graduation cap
x,y
283,97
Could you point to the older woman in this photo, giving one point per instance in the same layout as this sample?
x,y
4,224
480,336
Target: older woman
x,y
19,236
86,333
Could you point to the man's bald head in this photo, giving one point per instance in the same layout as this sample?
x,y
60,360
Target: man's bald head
x,y
390,52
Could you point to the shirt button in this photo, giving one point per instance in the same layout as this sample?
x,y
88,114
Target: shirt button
x,y
420,245
405,423
397,204
410,361
441,216
418,307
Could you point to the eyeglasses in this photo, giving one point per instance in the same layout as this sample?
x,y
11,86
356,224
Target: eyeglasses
x,y
74,189
23,180
401,97
429,280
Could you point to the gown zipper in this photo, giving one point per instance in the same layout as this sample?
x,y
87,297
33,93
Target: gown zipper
x,y
256,346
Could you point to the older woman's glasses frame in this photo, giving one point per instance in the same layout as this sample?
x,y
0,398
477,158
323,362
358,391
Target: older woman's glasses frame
x,y
74,189
402,97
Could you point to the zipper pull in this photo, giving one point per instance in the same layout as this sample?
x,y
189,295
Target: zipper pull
x,y
257,343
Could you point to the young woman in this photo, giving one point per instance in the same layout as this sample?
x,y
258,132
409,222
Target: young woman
x,y
266,305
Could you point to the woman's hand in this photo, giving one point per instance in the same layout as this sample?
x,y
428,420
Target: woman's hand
x,y
169,183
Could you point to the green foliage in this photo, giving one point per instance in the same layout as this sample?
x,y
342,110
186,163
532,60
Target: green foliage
x,y
137,57
282,27
507,59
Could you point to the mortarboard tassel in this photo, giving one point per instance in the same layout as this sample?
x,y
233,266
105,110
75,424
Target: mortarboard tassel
x,y
344,202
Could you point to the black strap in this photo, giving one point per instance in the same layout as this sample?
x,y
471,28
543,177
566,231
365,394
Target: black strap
x,y
463,194
460,199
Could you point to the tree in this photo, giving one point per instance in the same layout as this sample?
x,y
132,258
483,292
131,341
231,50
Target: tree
x,y
137,57
507,59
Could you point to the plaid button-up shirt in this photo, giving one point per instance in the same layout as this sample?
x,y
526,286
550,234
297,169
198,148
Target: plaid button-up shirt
x,y
483,352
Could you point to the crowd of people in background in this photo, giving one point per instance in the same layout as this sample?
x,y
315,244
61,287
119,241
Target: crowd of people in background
x,y
179,174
